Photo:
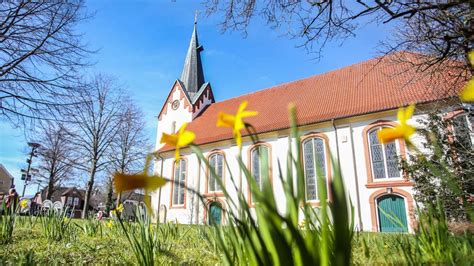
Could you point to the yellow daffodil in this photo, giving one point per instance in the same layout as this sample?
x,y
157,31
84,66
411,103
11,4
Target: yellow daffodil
x,y
235,121
467,94
23,204
120,208
181,139
110,224
124,182
402,131
113,212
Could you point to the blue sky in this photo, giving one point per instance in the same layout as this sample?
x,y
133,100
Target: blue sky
x,y
143,45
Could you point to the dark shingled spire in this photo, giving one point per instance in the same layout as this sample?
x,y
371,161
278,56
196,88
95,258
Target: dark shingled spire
x,y
193,75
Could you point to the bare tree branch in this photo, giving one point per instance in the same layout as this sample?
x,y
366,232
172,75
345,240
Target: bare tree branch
x,y
40,57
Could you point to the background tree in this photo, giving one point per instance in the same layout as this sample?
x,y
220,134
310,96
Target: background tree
x,y
109,192
449,161
96,122
442,30
131,144
40,57
56,157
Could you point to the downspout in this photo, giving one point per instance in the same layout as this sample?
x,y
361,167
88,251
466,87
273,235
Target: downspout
x,y
159,190
198,188
337,145
356,179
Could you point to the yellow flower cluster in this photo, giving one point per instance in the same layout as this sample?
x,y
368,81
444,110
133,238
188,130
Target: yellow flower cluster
x,y
110,224
303,224
117,210
23,204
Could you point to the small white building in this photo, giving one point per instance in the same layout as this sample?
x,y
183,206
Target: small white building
x,y
339,113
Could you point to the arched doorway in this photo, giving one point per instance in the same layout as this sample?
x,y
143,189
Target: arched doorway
x,y
392,214
215,213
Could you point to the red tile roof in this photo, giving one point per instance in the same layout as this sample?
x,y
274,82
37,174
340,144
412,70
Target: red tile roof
x,y
374,85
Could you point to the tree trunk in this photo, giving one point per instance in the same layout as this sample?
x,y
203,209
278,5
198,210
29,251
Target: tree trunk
x,y
50,190
108,202
90,185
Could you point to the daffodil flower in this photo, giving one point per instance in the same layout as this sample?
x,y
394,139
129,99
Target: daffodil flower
x,y
181,139
124,182
23,204
467,94
120,208
402,131
235,121
110,224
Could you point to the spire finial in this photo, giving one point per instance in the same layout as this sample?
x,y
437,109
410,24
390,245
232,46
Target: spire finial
x,y
193,74
196,13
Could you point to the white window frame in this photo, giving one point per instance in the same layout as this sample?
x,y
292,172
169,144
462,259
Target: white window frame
x,y
326,174
210,173
397,148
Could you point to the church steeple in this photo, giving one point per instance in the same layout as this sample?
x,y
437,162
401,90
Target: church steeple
x,y
193,75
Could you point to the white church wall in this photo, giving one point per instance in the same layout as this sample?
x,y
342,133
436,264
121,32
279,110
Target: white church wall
x,y
178,117
279,149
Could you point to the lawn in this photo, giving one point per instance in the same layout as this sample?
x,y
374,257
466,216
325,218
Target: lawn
x,y
181,244
110,246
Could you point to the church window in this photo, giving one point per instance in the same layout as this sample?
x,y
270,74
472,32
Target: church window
x,y
179,182
383,157
216,163
464,129
260,164
173,127
314,162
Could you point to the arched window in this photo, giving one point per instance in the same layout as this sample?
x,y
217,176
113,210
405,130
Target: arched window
x,y
216,163
259,164
173,127
463,125
314,159
383,157
179,182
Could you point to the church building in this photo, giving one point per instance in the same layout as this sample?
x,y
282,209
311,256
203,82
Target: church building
x,y
338,113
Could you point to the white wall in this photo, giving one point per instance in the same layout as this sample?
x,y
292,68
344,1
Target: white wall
x,y
179,116
279,149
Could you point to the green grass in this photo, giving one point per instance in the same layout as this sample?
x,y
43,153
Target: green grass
x,y
190,246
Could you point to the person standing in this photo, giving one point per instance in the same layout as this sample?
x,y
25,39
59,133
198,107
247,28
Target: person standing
x,y
12,200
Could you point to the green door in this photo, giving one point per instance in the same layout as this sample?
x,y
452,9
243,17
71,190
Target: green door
x,y
392,214
215,213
